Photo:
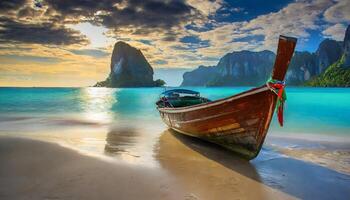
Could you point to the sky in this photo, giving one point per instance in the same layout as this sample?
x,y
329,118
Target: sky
x,y
68,43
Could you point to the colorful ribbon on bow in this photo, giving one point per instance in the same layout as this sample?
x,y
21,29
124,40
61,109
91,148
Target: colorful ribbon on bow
x,y
279,88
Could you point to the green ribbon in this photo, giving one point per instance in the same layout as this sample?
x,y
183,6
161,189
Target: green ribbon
x,y
281,97
284,94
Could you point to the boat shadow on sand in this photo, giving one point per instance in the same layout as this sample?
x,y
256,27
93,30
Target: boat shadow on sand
x,y
295,177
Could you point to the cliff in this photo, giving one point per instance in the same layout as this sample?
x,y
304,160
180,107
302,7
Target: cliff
x,y
200,76
346,46
254,68
129,68
337,74
328,52
302,67
236,68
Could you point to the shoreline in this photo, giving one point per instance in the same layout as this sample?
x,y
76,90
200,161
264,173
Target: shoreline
x,y
189,169
332,153
41,170
312,137
297,178
328,151
34,169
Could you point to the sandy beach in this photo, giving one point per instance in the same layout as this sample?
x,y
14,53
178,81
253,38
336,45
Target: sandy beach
x,y
189,169
39,170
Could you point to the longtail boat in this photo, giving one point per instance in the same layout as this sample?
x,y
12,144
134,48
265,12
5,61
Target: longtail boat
x,y
238,123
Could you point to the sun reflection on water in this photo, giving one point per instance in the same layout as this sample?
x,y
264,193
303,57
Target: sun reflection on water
x,y
126,139
117,124
97,103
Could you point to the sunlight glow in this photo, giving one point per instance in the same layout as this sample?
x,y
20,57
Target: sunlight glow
x,y
97,103
95,34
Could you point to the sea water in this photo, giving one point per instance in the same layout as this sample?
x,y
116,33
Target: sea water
x,y
125,124
319,111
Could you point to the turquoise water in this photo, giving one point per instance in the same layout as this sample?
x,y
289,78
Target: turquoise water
x,y
323,111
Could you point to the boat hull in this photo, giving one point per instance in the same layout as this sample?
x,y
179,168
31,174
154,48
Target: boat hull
x,y
238,123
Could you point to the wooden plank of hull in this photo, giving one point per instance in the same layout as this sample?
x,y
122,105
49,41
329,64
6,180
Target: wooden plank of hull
x,y
238,123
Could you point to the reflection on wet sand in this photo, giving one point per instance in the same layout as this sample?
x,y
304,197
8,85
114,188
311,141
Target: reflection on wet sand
x,y
210,172
214,173
118,141
133,145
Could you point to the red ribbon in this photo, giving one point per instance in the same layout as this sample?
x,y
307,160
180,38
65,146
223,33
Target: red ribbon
x,y
281,97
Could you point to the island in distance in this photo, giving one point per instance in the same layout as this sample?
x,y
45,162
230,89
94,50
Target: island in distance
x,y
129,68
329,66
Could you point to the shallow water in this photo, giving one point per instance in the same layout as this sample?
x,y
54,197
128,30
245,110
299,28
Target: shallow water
x,y
308,110
124,123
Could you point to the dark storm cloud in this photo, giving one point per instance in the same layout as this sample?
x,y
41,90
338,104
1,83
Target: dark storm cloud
x,y
40,33
141,17
170,8
80,7
26,12
149,14
9,5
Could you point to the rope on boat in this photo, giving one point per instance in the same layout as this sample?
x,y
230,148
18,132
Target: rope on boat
x,y
278,87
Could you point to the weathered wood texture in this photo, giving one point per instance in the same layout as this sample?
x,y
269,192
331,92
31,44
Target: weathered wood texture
x,y
240,122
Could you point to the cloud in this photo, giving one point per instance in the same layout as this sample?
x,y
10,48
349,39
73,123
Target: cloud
x,y
54,67
8,59
161,22
79,8
296,19
51,17
90,52
38,33
335,32
339,12
206,7
9,5
139,16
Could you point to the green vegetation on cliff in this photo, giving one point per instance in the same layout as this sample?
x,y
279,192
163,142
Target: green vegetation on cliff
x,y
336,75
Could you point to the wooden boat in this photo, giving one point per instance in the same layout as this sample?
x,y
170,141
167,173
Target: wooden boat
x,y
240,122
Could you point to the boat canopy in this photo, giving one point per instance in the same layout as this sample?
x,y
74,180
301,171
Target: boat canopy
x,y
179,91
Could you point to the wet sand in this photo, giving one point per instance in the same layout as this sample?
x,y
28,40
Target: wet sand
x,y
33,169
206,170
40,170
188,169
210,171
332,153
